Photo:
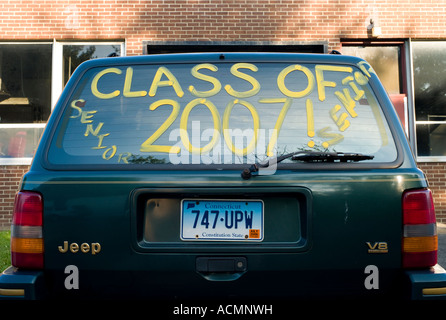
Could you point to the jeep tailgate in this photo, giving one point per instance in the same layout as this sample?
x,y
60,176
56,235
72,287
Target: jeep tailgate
x,y
320,233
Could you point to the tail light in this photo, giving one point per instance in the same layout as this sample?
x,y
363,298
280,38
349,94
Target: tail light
x,y
420,242
26,231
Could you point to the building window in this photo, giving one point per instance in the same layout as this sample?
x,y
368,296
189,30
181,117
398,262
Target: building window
x,y
159,47
75,54
429,69
385,60
32,76
25,97
388,59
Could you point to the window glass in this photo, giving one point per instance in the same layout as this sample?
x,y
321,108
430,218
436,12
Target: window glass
x,y
75,54
25,97
429,59
384,60
25,75
19,141
225,113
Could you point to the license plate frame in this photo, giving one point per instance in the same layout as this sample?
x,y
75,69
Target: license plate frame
x,y
226,220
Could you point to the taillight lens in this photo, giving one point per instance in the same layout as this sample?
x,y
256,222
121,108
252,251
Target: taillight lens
x,y
26,231
420,242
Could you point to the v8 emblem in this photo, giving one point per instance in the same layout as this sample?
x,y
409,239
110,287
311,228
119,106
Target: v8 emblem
x,y
377,247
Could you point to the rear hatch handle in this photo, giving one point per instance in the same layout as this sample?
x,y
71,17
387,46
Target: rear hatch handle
x,y
221,268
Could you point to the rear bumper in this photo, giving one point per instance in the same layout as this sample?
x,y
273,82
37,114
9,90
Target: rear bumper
x,y
30,285
21,285
427,284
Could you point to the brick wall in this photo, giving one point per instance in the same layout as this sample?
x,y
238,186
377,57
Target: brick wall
x,y
218,20
436,175
10,177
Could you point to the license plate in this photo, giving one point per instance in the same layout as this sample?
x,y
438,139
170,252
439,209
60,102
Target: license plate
x,y
222,220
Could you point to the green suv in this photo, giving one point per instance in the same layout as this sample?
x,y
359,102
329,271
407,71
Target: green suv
x,y
257,175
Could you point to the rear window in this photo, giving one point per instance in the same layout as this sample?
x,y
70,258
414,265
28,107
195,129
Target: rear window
x,y
220,114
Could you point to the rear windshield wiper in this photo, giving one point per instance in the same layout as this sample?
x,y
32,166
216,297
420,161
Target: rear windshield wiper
x,y
307,156
332,157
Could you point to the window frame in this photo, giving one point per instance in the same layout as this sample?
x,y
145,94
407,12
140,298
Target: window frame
x,y
57,77
402,62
